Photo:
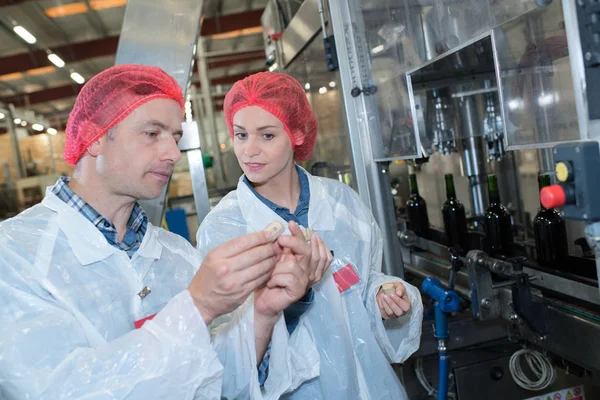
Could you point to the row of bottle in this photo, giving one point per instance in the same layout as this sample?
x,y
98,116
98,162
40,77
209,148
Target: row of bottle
x,y
549,227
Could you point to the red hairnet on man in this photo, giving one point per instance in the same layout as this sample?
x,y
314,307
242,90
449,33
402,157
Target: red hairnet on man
x,y
99,303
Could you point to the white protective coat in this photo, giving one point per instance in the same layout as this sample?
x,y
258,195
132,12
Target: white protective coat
x,y
354,344
68,302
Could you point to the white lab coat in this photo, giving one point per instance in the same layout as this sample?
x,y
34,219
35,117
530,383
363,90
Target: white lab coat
x,y
355,345
68,302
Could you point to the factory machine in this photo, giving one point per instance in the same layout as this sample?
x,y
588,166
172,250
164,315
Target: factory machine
x,y
450,117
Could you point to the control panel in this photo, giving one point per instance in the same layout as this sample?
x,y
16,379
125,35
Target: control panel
x,y
578,171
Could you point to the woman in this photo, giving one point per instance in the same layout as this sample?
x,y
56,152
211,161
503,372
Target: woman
x,y
272,126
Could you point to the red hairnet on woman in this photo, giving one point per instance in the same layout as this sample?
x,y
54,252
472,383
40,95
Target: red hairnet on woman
x,y
358,328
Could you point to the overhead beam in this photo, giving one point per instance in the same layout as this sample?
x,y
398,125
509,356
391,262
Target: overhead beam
x,y
224,80
231,22
235,59
108,46
69,53
60,92
42,96
4,3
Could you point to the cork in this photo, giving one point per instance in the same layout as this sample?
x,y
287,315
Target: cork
x,y
388,288
276,228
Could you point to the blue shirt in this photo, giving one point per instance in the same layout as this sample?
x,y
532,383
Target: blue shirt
x,y
136,226
293,313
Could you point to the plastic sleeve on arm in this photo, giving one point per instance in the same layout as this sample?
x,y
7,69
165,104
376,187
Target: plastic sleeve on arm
x,y
45,354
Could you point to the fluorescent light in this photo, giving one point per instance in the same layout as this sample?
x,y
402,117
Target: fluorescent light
x,y
307,86
1,116
332,84
273,67
25,35
378,49
23,123
56,60
547,99
514,104
77,77
17,121
322,90
52,131
37,127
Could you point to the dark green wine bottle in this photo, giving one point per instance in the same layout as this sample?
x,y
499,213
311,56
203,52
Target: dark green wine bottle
x,y
417,209
455,220
497,223
550,232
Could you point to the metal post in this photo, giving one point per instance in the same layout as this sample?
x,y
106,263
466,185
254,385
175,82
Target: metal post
x,y
51,147
14,140
363,127
472,154
211,123
162,34
545,161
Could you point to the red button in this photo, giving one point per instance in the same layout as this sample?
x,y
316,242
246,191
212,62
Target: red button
x,y
553,196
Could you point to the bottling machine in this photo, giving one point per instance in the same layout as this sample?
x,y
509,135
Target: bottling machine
x,y
470,89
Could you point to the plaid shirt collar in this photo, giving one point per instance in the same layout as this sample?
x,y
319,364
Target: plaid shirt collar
x,y
136,226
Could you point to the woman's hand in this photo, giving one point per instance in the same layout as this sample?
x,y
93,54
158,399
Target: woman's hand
x,y
395,304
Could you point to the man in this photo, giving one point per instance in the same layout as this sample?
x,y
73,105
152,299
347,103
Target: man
x,y
80,270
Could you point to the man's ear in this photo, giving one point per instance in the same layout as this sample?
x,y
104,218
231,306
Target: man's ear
x,y
95,149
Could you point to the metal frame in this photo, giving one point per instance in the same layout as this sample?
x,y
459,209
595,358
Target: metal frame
x,y
209,115
497,89
363,123
578,71
177,21
14,140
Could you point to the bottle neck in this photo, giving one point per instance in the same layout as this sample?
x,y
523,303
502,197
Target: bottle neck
x,y
414,189
493,191
450,190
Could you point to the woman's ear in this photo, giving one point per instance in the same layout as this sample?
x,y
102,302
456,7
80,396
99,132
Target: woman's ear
x,y
299,140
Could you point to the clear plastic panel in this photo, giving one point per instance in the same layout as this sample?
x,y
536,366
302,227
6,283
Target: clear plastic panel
x,y
402,35
332,156
536,81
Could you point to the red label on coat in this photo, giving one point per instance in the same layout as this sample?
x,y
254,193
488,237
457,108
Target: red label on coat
x,y
138,324
345,278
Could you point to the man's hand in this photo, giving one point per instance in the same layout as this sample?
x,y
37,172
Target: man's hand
x,y
393,305
231,272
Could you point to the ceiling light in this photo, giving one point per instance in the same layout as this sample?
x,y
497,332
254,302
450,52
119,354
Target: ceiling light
x,y
37,127
52,131
1,116
322,90
56,60
77,77
17,121
332,84
378,49
514,104
273,67
23,123
547,99
25,35
307,86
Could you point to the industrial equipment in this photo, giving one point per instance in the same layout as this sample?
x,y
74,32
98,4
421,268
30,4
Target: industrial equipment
x,y
471,89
